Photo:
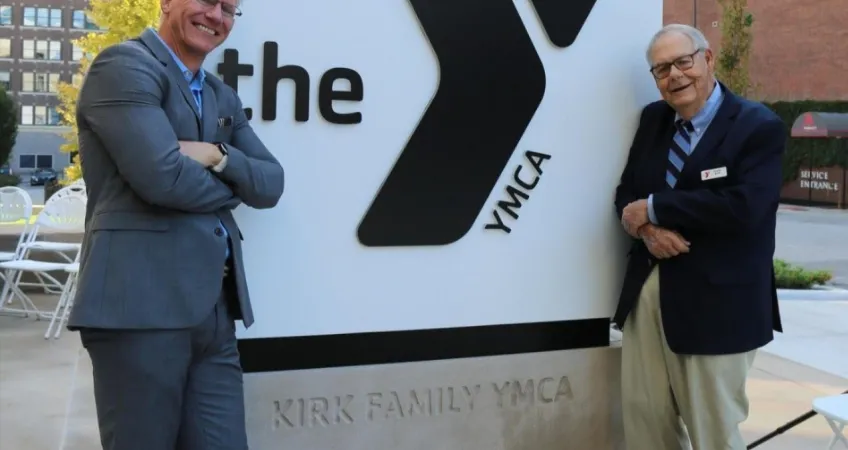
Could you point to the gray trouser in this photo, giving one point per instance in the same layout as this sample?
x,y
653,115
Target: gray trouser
x,y
169,389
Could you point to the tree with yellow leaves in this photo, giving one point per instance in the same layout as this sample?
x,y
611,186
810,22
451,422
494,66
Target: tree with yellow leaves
x,y
120,20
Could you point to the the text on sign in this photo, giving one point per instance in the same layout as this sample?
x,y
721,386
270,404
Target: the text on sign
x,y
817,180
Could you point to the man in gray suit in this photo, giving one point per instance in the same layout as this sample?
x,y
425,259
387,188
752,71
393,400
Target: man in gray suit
x,y
167,153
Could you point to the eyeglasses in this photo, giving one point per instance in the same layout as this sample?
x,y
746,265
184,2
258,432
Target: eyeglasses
x,y
229,10
685,62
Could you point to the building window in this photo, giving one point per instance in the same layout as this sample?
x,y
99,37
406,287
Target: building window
x,y
29,17
40,116
44,50
40,82
35,161
41,49
6,81
5,48
26,115
29,50
53,116
77,53
54,53
55,18
78,19
5,15
42,17
81,21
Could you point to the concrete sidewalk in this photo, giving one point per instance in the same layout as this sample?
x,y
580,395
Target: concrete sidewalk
x,y
46,398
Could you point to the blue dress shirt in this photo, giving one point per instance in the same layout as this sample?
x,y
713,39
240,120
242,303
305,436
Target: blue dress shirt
x,y
700,123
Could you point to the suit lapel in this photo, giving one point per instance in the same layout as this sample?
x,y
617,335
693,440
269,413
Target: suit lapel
x,y
659,158
152,42
716,131
210,113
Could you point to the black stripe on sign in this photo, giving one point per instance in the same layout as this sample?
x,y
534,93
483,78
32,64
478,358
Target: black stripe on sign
x,y
342,350
563,19
491,81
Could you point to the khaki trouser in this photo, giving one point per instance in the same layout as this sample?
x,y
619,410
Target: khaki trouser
x,y
665,395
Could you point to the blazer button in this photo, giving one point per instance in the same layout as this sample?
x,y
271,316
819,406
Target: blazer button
x,y
219,231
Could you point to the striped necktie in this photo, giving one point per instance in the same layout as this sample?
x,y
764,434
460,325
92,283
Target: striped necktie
x,y
681,147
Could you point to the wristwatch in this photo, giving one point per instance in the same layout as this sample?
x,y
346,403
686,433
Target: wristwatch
x,y
221,165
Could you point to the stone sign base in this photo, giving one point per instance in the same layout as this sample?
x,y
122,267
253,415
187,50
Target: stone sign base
x,y
539,401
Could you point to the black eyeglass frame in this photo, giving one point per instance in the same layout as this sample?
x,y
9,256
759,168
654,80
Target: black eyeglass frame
x,y
236,12
684,62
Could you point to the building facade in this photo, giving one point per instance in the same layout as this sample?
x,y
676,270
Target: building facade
x,y
36,53
800,47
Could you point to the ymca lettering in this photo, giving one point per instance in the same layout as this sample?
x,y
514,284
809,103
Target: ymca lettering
x,y
525,183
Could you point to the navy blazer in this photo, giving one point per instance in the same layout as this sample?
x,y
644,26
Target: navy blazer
x,y
719,298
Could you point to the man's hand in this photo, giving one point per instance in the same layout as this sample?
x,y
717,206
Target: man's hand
x,y
205,153
634,216
663,243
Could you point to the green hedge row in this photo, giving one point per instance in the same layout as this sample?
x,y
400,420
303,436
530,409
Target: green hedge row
x,y
820,152
790,276
9,180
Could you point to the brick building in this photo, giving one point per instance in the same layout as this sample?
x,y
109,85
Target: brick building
x,y
800,47
36,52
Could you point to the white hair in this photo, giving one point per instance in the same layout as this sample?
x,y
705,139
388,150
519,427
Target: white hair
x,y
698,39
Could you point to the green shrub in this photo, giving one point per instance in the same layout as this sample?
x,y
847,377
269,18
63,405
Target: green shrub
x,y
788,276
9,180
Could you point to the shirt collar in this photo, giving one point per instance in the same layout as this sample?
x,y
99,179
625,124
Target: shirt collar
x,y
200,77
706,114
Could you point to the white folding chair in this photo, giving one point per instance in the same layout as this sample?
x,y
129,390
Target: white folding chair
x,y
15,205
65,214
834,409
34,243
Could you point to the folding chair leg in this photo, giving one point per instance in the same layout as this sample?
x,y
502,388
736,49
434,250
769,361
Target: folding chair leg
x,y
59,314
69,305
12,290
837,433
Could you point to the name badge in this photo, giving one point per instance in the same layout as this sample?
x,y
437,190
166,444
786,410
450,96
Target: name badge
x,y
713,173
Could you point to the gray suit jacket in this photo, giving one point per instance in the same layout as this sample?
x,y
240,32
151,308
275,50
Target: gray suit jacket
x,y
153,251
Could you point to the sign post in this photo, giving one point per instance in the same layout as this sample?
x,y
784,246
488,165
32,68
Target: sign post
x,y
442,268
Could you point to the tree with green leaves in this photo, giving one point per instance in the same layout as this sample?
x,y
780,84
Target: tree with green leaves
x,y
121,20
8,125
736,40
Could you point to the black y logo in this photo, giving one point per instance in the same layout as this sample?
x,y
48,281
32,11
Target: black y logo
x,y
491,83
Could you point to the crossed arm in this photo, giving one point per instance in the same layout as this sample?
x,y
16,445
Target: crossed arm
x,y
121,103
252,171
660,242
731,209
741,206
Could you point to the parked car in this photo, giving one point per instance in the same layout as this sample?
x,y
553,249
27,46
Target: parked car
x,y
42,176
5,170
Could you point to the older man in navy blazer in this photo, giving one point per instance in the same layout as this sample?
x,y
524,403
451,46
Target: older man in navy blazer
x,y
699,196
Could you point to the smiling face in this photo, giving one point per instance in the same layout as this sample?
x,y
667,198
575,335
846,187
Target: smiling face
x,y
196,27
683,73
